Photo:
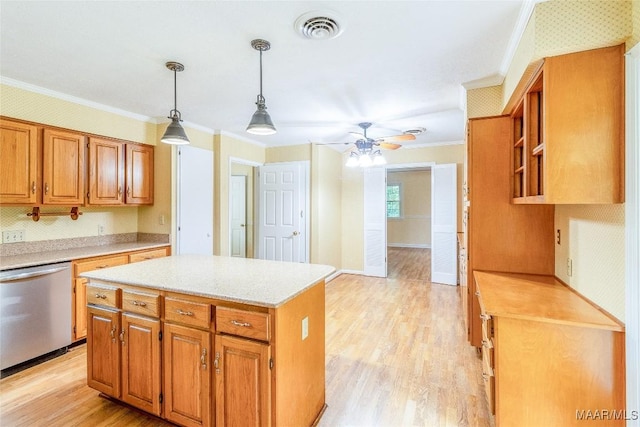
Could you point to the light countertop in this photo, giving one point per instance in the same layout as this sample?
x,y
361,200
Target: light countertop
x,y
53,256
249,281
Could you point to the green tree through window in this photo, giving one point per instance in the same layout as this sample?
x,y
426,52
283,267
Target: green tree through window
x,y
393,201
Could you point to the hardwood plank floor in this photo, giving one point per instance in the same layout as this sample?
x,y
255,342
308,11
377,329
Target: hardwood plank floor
x,y
409,263
396,355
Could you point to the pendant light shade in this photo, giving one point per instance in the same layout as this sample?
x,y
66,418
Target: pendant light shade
x,y
261,123
175,133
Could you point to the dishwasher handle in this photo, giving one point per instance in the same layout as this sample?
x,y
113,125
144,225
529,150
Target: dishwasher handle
x,y
29,274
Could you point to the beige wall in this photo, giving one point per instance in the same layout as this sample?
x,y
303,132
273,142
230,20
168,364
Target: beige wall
x,y
592,236
413,229
352,195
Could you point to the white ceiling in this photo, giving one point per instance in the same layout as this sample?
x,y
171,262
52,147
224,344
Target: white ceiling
x,y
398,64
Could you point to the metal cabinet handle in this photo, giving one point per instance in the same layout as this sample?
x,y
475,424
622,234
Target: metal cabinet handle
x,y
485,316
216,362
122,336
33,187
101,296
243,324
46,188
477,293
486,344
102,266
203,360
485,376
113,334
139,303
184,313
120,191
128,191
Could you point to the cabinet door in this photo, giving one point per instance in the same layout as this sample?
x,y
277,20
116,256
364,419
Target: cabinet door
x,y
80,308
63,168
243,382
187,375
140,345
103,351
106,172
139,174
18,163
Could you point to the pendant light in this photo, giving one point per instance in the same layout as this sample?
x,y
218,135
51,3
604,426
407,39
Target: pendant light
x,y
261,123
175,134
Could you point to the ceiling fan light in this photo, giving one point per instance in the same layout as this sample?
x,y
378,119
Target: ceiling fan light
x,y
379,160
261,123
175,134
352,162
365,161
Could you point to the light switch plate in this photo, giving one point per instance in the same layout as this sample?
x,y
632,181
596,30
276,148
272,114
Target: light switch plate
x,y
305,328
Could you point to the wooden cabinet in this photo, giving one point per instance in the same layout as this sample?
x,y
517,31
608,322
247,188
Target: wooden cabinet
x,y
19,162
568,131
187,358
120,173
243,382
139,174
103,350
106,172
79,315
550,357
123,349
141,368
63,168
500,236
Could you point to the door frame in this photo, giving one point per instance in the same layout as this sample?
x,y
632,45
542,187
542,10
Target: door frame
x,y
242,161
407,166
632,230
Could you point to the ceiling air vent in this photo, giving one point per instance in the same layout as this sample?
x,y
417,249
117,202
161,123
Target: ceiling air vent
x,y
318,25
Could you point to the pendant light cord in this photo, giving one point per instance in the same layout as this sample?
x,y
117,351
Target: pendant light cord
x,y
260,97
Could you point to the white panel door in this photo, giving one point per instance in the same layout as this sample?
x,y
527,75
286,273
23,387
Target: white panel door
x,y
195,201
238,216
444,224
375,222
282,226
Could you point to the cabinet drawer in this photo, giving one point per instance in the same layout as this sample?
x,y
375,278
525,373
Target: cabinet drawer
x,y
141,303
96,264
146,255
105,296
247,324
188,312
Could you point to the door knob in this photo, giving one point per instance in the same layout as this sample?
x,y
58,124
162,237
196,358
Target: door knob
x,y
295,233
241,225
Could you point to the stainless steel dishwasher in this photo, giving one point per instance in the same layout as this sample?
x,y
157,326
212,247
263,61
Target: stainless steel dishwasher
x,y
35,312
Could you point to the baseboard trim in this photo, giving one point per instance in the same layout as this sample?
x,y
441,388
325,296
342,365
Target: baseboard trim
x,y
409,245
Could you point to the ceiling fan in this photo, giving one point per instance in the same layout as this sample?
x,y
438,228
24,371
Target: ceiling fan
x,y
367,150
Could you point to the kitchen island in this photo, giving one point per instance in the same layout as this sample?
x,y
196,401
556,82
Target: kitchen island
x,y
204,340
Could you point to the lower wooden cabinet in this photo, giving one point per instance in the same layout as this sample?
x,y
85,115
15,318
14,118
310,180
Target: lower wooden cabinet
x,y
243,382
187,375
123,357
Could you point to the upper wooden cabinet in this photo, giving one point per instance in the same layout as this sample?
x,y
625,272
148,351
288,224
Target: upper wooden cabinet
x,y
139,174
120,173
63,168
19,154
106,172
568,131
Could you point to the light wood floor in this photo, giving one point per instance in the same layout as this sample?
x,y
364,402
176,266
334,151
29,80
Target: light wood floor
x,y
395,356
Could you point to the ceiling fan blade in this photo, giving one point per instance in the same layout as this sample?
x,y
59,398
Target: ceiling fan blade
x,y
389,146
394,138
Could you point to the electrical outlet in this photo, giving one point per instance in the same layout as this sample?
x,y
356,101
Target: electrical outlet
x,y
569,267
100,230
13,236
305,328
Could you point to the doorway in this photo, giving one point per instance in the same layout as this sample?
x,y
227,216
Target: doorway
x,y
242,207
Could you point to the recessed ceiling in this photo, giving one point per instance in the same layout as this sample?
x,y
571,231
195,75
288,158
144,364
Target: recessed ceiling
x,y
398,64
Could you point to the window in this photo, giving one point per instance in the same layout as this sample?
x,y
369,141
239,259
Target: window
x,y
393,201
